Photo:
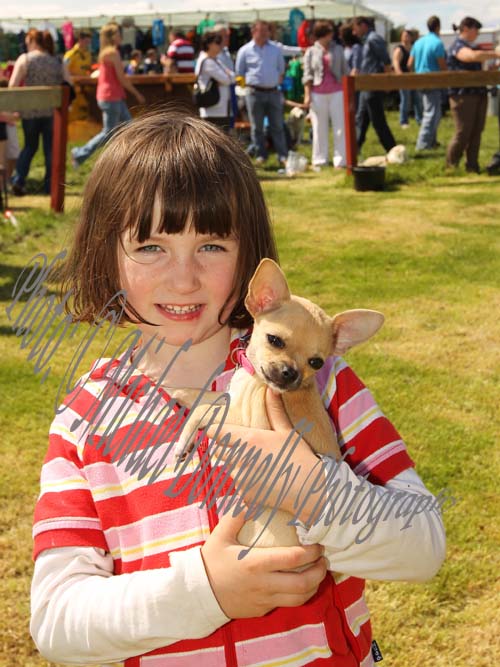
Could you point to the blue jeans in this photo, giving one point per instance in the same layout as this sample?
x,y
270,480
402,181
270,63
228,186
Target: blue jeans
x,y
33,128
262,103
405,98
113,114
432,100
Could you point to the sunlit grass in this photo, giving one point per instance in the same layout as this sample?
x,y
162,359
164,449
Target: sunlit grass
x,y
425,253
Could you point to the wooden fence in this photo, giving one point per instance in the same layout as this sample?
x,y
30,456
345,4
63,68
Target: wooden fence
x,y
46,97
410,81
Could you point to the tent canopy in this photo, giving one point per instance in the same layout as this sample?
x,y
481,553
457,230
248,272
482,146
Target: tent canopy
x,y
191,12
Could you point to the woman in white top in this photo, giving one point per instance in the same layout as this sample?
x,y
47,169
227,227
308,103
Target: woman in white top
x,y
209,67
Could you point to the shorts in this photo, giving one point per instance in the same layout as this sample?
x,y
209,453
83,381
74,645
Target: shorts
x,y
13,149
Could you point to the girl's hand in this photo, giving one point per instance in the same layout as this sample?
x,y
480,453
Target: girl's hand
x,y
258,583
301,459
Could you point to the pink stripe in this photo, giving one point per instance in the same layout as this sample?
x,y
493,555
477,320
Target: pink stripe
x,y
210,657
357,406
60,524
356,610
379,457
283,645
104,474
58,470
323,375
158,526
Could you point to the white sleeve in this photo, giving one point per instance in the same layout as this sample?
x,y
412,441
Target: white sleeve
x,y
213,70
82,613
392,532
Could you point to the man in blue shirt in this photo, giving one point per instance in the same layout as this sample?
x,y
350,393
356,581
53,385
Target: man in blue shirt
x,y
374,60
262,64
428,55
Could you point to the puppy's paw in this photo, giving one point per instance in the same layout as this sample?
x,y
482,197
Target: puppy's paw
x,y
182,448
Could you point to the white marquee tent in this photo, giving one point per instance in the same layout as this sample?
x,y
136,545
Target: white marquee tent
x,y
191,12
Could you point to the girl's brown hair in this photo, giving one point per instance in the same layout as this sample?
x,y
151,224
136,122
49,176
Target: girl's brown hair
x,y
200,177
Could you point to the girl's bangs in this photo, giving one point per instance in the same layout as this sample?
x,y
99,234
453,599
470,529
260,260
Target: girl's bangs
x,y
196,200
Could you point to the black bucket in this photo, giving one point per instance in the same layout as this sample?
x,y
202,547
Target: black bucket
x,y
369,178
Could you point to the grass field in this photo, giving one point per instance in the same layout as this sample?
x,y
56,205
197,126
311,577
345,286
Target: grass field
x,y
425,253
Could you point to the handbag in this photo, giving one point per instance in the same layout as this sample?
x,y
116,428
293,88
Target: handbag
x,y
207,97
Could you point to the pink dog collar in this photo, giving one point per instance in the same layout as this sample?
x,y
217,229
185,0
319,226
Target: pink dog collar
x,y
243,361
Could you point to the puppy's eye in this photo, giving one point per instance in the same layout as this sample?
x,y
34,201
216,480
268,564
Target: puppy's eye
x,y
276,341
316,363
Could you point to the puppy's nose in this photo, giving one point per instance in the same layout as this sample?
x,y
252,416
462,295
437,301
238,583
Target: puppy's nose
x,y
289,374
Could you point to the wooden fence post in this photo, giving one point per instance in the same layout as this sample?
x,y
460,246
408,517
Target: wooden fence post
x,y
59,144
350,121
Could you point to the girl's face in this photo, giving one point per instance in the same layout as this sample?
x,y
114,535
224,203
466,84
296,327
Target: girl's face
x,y
179,282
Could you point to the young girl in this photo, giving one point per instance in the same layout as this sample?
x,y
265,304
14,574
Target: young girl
x,y
110,94
132,563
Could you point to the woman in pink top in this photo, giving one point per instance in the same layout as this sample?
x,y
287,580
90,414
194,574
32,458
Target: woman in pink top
x,y
324,67
111,87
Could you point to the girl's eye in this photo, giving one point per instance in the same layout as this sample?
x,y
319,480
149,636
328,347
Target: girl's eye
x,y
149,248
212,247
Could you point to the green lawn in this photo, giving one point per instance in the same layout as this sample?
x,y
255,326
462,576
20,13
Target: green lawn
x,y
425,253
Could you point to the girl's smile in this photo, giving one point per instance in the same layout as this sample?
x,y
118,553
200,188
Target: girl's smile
x,y
178,312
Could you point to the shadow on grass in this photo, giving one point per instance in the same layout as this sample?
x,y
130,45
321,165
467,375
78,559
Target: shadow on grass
x,y
7,331
12,274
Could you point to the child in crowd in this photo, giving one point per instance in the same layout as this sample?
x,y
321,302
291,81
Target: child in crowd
x,y
131,558
111,96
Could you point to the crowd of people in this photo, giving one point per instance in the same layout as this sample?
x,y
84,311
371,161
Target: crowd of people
x,y
254,82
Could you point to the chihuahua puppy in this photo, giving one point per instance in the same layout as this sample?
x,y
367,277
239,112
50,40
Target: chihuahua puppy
x,y
290,341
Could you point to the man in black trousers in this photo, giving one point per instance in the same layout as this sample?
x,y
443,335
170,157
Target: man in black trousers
x,y
375,60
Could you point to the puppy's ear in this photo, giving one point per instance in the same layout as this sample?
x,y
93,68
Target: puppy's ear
x,y
353,327
268,288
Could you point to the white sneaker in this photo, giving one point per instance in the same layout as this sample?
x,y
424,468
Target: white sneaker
x,y
259,161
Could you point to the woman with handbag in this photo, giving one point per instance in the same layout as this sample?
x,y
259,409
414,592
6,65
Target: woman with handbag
x,y
211,74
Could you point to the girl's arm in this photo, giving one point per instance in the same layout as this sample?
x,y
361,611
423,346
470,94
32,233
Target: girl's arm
x,y
399,545
124,81
392,532
82,613
19,72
